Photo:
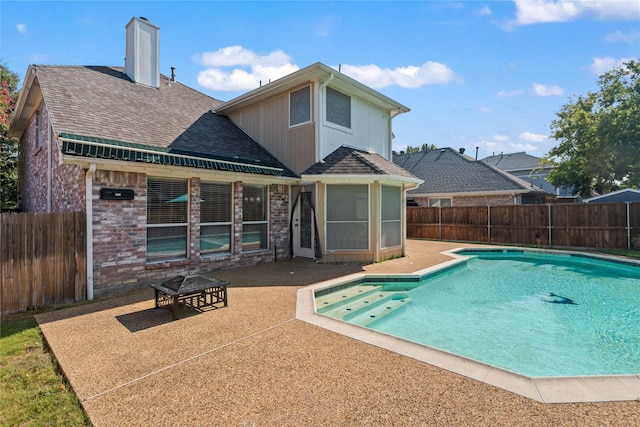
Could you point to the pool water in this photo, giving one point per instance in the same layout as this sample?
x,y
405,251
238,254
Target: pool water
x,y
534,313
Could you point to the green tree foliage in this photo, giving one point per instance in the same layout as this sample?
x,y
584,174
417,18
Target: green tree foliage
x,y
8,147
599,136
423,147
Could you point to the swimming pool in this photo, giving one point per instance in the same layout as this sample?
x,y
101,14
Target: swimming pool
x,y
546,315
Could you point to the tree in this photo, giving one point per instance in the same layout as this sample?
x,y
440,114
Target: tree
x,y
423,147
8,147
599,135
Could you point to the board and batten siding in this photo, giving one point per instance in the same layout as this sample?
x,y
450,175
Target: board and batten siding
x,y
370,130
267,122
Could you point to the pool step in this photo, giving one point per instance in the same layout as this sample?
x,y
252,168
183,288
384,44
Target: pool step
x,y
334,300
369,313
364,308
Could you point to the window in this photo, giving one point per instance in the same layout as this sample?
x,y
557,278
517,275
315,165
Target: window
x,y
215,218
300,106
391,226
347,217
167,218
338,108
439,202
254,218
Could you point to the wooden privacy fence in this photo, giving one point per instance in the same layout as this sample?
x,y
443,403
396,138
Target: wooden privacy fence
x,y
42,260
587,225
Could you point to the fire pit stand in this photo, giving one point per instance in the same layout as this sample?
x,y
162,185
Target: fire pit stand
x,y
196,292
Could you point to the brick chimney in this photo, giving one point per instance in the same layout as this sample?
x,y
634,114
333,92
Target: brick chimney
x,y
142,61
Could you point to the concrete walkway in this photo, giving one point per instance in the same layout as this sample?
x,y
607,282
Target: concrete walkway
x,y
254,364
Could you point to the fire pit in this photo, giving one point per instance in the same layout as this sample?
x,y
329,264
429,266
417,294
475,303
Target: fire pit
x,y
197,292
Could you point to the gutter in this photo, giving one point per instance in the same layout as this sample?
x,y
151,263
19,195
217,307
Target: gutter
x,y
89,212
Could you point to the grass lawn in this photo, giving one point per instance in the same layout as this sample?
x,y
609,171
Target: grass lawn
x,y
32,392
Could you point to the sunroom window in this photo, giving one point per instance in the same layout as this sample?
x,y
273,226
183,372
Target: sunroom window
x,y
167,219
338,108
254,218
391,226
347,217
215,218
300,106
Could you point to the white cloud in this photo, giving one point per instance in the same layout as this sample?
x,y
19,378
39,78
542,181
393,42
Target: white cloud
x,y
600,65
486,110
544,90
501,138
235,68
630,37
533,137
408,77
248,69
22,28
509,93
539,11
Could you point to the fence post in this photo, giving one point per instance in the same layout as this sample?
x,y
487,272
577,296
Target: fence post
x,y
488,223
550,244
440,222
628,224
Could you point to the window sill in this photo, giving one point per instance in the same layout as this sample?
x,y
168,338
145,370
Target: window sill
x,y
156,265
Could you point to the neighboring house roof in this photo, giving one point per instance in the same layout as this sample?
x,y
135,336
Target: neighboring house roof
x,y
94,109
354,161
446,171
317,71
624,195
513,161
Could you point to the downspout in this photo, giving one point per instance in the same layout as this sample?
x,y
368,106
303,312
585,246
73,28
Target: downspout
x,y
320,110
89,210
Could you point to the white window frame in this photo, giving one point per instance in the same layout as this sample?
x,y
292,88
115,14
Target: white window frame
x,y
384,221
228,224
328,222
265,221
175,255
331,123
291,105
436,202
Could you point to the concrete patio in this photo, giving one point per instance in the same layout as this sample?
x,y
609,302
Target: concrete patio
x,y
254,364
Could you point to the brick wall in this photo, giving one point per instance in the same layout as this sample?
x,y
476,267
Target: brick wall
x,y
64,192
119,236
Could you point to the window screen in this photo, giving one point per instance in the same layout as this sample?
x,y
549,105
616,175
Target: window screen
x,y
391,225
215,217
300,106
338,108
254,218
167,213
347,217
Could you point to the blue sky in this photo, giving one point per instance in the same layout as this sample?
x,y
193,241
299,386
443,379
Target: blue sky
x,y
487,74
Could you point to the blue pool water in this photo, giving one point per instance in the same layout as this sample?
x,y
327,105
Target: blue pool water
x,y
534,313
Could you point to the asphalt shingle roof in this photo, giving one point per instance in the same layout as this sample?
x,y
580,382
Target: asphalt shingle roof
x,y
102,102
446,171
513,161
353,161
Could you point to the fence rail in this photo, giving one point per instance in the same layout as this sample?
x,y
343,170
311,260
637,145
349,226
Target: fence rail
x,y
42,260
586,225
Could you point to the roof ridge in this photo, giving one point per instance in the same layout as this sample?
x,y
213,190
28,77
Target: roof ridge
x,y
359,154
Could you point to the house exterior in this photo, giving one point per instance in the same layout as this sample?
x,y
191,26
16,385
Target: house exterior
x,y
176,182
455,179
528,168
623,195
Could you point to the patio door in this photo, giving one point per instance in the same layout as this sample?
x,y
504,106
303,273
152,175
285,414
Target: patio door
x,y
303,226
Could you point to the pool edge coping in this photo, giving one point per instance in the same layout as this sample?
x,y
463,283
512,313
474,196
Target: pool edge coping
x,y
574,389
